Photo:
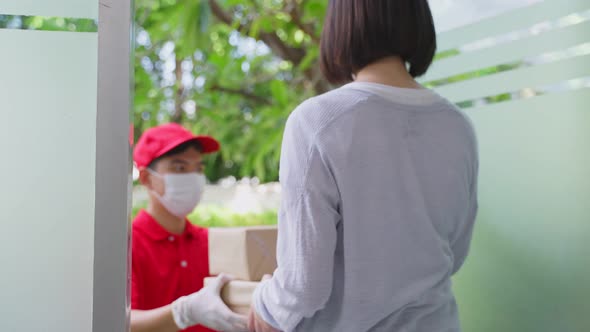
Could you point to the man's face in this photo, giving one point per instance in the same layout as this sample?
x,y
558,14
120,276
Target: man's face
x,y
189,161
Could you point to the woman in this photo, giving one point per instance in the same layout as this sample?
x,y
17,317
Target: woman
x,y
379,184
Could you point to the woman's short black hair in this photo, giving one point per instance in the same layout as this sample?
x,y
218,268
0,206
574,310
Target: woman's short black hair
x,y
359,32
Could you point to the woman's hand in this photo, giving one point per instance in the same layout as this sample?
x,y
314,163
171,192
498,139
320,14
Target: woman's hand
x,y
255,322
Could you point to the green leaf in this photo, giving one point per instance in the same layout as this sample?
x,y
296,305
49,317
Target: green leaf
x,y
309,59
279,92
250,142
315,8
255,29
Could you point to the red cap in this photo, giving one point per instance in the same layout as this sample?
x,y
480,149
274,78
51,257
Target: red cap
x,y
156,141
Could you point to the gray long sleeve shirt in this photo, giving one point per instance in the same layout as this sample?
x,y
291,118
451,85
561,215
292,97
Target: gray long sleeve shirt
x,y
379,201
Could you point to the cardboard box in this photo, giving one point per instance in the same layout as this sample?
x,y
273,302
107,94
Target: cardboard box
x,y
237,295
247,253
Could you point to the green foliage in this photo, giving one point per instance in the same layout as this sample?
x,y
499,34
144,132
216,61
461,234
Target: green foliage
x,y
475,74
231,69
446,54
235,69
211,216
214,216
48,23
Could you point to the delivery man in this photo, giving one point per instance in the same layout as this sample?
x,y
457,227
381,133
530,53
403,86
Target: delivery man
x,y
169,254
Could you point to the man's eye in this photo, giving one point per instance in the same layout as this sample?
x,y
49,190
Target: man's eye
x,y
179,168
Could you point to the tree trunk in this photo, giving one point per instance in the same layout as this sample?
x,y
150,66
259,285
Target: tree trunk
x,y
179,95
278,47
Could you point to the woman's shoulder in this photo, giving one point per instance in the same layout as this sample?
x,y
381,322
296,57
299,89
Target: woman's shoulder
x,y
318,111
338,97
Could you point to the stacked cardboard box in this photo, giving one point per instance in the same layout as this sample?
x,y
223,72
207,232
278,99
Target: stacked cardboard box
x,y
247,253
237,295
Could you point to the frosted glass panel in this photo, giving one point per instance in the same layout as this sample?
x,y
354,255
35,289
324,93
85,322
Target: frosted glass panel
x,y
511,21
58,8
513,80
48,109
528,269
554,40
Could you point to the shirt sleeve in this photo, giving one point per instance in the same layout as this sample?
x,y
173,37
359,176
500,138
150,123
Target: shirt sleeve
x,y
461,244
462,239
136,300
308,219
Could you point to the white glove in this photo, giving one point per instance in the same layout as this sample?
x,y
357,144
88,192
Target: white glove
x,y
206,308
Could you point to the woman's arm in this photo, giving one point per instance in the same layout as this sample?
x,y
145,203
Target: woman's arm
x,y
308,220
461,241
257,324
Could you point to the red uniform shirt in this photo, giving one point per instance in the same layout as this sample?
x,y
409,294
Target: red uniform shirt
x,y
166,266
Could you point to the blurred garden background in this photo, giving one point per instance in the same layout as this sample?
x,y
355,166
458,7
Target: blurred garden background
x,y
235,69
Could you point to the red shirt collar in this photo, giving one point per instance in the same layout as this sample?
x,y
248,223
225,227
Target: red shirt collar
x,y
158,233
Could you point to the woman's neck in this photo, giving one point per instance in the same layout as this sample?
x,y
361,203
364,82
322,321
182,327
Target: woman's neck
x,y
388,71
168,221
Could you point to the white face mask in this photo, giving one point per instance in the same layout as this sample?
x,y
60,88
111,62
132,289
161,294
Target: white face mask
x,y
182,192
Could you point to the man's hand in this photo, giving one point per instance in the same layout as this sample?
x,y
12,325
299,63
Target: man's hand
x,y
206,308
257,324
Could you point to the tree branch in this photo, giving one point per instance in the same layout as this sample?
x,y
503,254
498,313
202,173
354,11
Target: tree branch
x,y
243,93
178,98
293,9
221,14
271,39
278,47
